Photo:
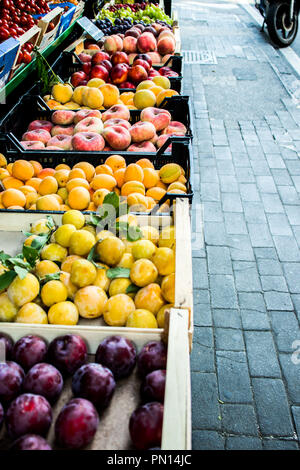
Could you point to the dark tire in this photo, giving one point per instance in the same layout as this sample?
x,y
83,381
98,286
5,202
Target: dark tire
x,y
281,32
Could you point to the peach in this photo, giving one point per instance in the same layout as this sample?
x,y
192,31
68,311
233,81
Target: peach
x,y
132,32
40,124
62,92
118,74
89,124
84,113
131,57
142,147
77,94
61,140
160,118
40,135
166,45
117,122
99,71
32,144
92,97
144,98
88,141
155,57
119,58
67,130
175,128
119,111
129,44
53,147
165,94
162,82
161,140
99,57
142,131
63,117
95,82
143,63
137,73
110,93
146,43
113,44
117,137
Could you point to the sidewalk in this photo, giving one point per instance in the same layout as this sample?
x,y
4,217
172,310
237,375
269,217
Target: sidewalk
x,y
245,381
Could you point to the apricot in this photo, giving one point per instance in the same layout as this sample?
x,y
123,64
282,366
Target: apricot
x,y
13,197
11,183
132,187
75,218
119,286
46,172
156,193
45,267
143,249
54,252
62,166
90,301
103,170
117,309
22,170
99,195
141,318
8,310
151,178
65,278
63,313
103,181
167,237
53,292
48,185
40,227
63,193
62,177
31,313
34,182
119,177
4,173
161,315
37,167
75,182
67,263
77,96
27,190
149,298
79,198
143,272
83,273
137,200
81,242
150,233
101,277
168,288
133,172
165,94
115,162
164,260
88,169
126,261
22,291
76,173
3,161
48,203
110,250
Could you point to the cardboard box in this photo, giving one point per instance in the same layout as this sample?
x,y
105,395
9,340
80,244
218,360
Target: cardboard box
x,y
8,52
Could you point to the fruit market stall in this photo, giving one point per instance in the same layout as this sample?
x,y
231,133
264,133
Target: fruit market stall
x,y
95,234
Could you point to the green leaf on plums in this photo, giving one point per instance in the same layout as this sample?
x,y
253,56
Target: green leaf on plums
x,y
114,273
6,279
132,289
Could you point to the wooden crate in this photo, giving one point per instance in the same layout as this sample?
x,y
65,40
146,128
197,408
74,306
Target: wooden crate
x,y
78,12
32,35
12,238
45,39
113,431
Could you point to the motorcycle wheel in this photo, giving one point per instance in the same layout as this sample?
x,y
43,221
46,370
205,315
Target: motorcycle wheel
x,y
281,30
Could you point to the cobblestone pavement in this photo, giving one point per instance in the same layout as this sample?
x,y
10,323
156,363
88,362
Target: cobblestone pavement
x,y
246,125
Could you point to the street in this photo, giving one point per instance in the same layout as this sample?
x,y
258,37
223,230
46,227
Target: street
x,y
246,230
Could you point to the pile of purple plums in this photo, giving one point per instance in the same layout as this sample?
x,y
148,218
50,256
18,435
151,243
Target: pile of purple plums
x,y
32,380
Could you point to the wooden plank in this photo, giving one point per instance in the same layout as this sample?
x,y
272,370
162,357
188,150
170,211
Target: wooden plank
x,y
184,272
176,432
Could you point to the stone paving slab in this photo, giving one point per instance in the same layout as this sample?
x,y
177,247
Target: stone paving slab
x,y
246,124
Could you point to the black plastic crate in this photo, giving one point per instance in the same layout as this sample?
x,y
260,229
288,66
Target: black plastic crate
x,y
68,63
32,107
181,154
